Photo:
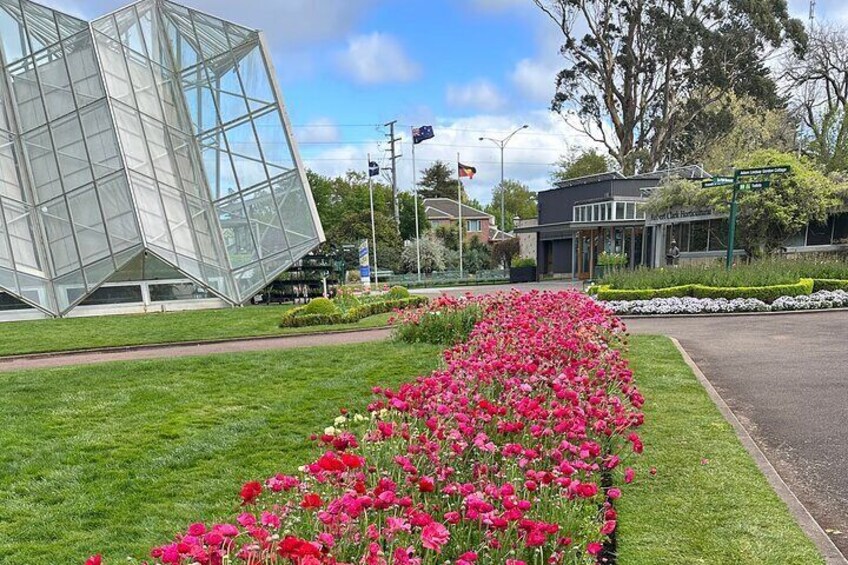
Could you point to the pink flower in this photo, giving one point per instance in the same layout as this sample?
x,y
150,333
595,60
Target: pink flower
x,y
196,529
594,548
629,474
434,536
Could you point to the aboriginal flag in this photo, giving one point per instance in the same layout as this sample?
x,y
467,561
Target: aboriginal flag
x,y
466,171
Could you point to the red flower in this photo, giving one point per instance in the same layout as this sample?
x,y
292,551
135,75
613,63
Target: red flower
x,y
94,560
426,484
311,500
250,492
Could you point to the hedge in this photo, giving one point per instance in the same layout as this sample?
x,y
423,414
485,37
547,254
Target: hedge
x,y
298,317
764,293
829,284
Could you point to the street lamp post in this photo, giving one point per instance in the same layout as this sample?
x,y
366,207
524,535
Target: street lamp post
x,y
501,143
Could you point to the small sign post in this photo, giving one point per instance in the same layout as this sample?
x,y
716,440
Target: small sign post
x,y
738,186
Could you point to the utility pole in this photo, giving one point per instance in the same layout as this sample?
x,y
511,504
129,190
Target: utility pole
x,y
394,157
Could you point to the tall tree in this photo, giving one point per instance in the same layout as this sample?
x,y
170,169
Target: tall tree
x,y
519,201
638,72
581,164
819,84
439,181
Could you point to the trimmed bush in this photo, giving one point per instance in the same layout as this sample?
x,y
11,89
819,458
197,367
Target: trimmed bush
x,y
398,292
764,293
829,284
323,306
299,317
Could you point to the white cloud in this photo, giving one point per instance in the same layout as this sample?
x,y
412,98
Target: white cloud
x,y
479,94
529,156
535,79
377,58
321,130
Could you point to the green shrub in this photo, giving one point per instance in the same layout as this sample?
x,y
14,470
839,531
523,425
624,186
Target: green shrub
x,y
299,317
764,293
519,262
397,292
830,284
323,306
441,327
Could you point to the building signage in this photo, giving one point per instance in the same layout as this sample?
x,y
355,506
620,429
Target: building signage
x,y
717,181
683,214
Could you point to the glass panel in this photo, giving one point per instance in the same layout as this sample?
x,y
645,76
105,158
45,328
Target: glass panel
x,y
129,30
169,95
182,151
249,281
34,289
199,99
157,143
69,289
132,140
41,26
218,279
120,216
224,81
276,265
247,160
98,272
8,281
113,295
12,32
153,222
156,51
88,225
265,222
718,235
178,222
82,65
178,291
218,168
254,78
698,236
55,82
43,166
275,143
69,26
10,184
101,140
819,233
9,302
114,69
619,211
203,230
294,209
143,85
60,237
236,231
27,95
70,148
210,34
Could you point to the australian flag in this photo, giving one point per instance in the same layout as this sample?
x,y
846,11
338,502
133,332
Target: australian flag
x,y
422,134
373,169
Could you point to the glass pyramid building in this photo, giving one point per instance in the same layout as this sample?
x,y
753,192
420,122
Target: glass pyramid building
x,y
155,131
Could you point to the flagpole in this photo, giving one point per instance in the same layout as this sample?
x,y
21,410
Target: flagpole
x,y
459,193
417,231
373,225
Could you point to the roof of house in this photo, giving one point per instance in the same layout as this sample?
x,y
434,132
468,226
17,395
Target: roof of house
x,y
437,208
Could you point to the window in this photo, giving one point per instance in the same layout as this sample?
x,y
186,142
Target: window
x,y
698,236
474,225
620,211
820,233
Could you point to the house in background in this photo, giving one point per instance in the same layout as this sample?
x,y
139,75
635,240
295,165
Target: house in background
x,y
445,212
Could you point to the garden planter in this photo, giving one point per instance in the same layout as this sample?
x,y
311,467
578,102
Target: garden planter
x,y
522,274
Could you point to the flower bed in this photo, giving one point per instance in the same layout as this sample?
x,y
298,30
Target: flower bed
x,y
661,306
762,293
513,453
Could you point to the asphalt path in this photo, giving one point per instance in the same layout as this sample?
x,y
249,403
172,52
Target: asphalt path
x,y
785,377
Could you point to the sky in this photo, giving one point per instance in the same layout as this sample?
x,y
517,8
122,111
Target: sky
x,y
469,68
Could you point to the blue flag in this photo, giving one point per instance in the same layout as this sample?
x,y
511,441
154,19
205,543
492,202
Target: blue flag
x,y
373,169
422,134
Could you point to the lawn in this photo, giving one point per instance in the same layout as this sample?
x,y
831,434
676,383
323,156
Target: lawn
x,y
68,334
117,457
708,503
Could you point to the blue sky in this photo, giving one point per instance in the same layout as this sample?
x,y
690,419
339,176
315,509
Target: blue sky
x,y
470,68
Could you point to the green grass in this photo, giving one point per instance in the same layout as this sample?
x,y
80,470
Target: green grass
x,y
118,457
40,336
719,512
763,272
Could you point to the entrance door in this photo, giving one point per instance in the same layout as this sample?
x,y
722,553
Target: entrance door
x,y
587,243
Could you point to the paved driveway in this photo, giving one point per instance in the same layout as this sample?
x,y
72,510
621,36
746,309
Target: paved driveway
x,y
786,379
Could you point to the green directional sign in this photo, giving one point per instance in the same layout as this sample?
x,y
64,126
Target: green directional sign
x,y
755,185
717,181
782,170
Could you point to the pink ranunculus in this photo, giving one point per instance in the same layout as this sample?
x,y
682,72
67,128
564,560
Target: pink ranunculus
x,y
434,536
